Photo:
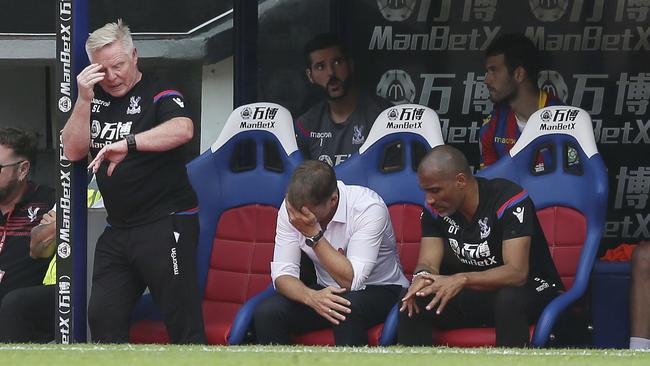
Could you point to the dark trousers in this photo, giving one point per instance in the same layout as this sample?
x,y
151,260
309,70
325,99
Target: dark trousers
x,y
278,318
509,309
27,315
160,255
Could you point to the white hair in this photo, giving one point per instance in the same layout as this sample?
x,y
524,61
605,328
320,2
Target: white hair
x,y
108,34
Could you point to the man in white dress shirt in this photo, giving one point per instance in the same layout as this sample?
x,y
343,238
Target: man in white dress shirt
x,y
347,232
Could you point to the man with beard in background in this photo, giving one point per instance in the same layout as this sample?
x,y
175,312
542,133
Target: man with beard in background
x,y
336,127
512,65
22,205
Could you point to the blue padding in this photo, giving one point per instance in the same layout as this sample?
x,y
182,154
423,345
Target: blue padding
x,y
603,268
244,317
394,187
586,193
610,304
389,332
146,309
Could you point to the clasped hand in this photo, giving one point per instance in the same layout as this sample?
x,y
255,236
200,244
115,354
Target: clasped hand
x,y
444,288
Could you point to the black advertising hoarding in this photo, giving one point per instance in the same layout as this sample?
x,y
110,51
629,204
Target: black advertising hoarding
x,y
72,31
150,16
596,56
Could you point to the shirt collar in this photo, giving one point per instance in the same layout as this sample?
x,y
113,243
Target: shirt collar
x,y
341,213
28,195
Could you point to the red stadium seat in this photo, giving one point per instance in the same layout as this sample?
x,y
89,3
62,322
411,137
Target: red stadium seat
x,y
240,183
570,193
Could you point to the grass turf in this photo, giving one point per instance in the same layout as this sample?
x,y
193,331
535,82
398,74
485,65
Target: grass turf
x,y
98,355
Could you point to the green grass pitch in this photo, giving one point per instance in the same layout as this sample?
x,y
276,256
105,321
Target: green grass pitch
x,y
98,355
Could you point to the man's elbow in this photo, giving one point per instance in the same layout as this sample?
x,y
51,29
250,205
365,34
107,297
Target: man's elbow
x,y
186,130
520,278
74,154
348,285
32,253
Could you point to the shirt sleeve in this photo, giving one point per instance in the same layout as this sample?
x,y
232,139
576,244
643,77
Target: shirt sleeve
x,y
518,218
486,142
286,254
429,225
363,247
302,139
170,103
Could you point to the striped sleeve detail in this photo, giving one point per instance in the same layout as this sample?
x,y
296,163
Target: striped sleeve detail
x,y
303,131
191,211
511,202
166,93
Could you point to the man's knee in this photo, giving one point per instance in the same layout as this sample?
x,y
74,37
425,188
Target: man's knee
x,y
356,301
271,308
12,303
511,297
107,326
641,259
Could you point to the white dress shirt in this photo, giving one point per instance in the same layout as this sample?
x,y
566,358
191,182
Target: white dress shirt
x,y
360,229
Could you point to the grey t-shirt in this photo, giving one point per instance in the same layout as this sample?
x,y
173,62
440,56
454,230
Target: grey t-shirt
x,y
322,139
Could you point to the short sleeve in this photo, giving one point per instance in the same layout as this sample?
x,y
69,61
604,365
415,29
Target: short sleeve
x,y
518,219
429,225
170,103
487,150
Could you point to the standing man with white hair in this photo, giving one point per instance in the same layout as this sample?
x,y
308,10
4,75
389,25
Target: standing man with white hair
x,y
133,125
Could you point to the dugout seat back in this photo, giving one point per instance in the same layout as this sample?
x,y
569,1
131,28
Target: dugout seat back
x,y
557,162
240,183
387,163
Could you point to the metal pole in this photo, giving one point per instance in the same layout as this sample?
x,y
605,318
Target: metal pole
x,y
245,34
71,35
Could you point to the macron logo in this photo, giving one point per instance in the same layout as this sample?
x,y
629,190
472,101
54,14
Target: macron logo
x,y
179,102
519,213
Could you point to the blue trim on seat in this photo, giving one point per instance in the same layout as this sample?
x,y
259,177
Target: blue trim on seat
x,y
244,317
388,335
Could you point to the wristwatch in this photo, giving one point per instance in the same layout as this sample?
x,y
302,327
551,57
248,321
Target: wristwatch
x,y
311,241
130,142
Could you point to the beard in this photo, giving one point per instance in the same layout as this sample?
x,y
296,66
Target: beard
x,y
8,191
344,85
510,94
508,97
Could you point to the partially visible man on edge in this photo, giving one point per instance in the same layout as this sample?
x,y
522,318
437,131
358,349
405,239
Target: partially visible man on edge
x,y
347,232
133,125
483,261
512,66
22,203
336,127
27,314
640,297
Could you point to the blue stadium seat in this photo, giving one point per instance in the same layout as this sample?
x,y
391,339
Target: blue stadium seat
x,y
387,163
557,161
240,183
